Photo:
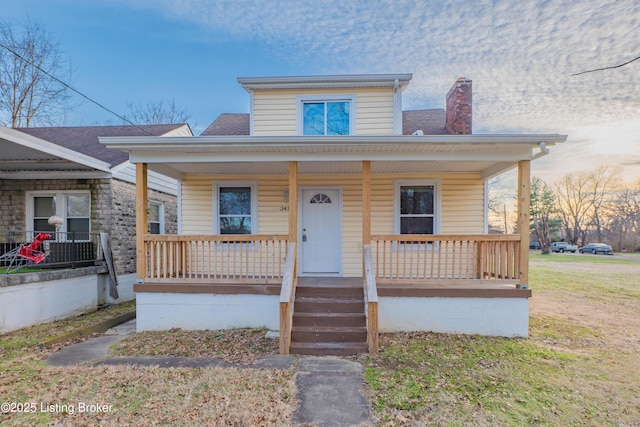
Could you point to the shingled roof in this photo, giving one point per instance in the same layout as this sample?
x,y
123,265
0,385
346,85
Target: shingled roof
x,y
431,122
84,139
229,124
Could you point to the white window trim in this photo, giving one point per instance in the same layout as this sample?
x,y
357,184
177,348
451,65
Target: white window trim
x,y
216,203
160,214
397,183
301,100
61,206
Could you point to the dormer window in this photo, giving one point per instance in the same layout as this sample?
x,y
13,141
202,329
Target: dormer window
x,y
326,115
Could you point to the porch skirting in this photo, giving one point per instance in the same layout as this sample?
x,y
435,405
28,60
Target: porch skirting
x,y
507,317
197,311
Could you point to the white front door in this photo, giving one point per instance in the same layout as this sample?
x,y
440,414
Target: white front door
x,y
320,231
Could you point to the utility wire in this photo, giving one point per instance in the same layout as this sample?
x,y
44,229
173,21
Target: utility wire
x,y
607,68
75,90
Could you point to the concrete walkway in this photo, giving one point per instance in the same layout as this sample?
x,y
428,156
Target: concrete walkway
x,y
328,387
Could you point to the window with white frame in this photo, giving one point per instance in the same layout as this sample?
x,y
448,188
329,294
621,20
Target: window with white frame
x,y
235,207
156,218
326,115
416,206
73,207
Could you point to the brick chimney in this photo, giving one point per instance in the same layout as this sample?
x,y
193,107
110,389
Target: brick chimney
x,y
458,121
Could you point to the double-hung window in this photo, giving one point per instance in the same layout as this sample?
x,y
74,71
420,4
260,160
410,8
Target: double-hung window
x,y
235,207
326,115
73,207
156,218
416,206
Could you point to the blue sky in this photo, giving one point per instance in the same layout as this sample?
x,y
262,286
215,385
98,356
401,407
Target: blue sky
x,y
519,54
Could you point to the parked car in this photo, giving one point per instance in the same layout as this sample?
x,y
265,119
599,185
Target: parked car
x,y
534,245
596,248
563,247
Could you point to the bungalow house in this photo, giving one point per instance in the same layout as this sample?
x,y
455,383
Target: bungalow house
x,y
330,214
65,172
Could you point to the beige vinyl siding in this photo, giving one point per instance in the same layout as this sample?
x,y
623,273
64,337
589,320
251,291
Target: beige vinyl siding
x,y
275,111
462,210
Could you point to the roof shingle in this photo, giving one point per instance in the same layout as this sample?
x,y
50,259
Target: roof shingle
x,y
84,139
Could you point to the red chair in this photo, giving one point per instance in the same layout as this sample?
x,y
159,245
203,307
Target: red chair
x,y
26,254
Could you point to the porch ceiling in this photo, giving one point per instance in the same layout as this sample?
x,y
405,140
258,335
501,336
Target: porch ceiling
x,y
485,154
323,167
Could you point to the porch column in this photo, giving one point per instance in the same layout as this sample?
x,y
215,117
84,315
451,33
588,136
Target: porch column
x,y
293,209
524,206
142,199
366,202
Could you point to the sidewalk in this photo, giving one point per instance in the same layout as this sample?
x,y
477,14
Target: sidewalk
x,y
328,387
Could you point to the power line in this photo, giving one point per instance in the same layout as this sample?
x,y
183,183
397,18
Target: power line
x,y
75,90
607,68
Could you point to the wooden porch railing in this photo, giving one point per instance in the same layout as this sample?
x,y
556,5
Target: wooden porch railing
x,y
221,258
287,296
370,300
446,258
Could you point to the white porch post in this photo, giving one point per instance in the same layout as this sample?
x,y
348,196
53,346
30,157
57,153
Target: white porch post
x,y
524,206
142,199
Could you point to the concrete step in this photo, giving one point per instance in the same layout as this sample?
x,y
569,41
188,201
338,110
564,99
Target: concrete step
x,y
329,319
325,334
328,348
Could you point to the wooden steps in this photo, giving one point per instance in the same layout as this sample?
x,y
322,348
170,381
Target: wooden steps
x,y
329,317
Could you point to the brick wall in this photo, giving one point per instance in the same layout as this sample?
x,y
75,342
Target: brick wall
x,y
459,111
123,242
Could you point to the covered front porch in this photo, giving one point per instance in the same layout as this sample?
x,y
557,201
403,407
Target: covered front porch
x,y
251,279
255,274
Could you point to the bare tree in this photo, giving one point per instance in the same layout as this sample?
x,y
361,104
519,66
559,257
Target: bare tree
x,y
157,112
582,199
603,182
574,204
32,75
623,217
500,194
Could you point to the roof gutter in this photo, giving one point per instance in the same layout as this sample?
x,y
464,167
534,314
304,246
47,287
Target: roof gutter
x,y
544,150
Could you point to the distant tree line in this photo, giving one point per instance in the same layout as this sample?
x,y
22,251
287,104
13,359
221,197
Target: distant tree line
x,y
595,206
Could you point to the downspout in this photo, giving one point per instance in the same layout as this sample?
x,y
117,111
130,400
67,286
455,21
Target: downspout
x,y
544,150
395,107
251,112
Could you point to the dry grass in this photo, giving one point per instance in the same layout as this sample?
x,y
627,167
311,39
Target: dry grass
x,y
579,367
239,346
144,396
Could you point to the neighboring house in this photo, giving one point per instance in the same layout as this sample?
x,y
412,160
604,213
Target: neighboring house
x,y
330,214
66,172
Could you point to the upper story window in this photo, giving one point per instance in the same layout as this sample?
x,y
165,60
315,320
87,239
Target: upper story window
x,y
326,115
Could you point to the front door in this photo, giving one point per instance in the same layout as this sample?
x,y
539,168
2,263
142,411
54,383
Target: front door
x,y
320,232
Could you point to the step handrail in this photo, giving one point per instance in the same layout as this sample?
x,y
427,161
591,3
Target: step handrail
x,y
287,296
370,300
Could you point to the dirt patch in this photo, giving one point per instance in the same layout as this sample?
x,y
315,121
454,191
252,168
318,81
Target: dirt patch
x,y
616,320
